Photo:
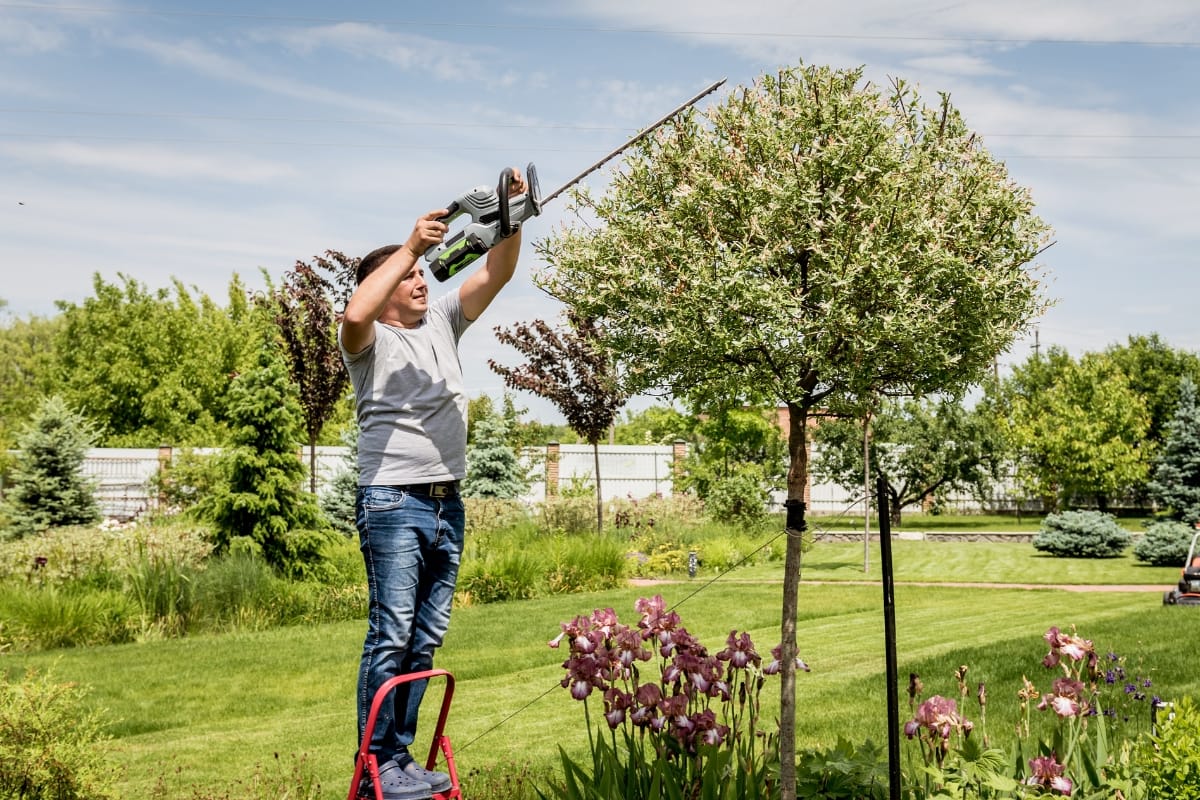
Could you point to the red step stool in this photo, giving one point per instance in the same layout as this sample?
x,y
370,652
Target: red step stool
x,y
365,760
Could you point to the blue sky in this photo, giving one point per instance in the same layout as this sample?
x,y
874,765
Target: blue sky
x,y
198,140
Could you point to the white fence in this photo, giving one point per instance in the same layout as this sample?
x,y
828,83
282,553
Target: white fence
x,y
625,470
125,488
124,476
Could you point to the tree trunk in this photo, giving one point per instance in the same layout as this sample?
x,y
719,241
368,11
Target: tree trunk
x,y
894,512
599,496
797,480
312,463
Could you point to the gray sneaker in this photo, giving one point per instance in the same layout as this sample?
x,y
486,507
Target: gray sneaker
x,y
438,781
396,784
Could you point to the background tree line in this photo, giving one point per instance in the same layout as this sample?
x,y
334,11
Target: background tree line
x,y
1059,432
146,367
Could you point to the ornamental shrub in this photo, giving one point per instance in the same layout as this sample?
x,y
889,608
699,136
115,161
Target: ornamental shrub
x,y
1170,757
51,745
1081,534
1165,544
740,497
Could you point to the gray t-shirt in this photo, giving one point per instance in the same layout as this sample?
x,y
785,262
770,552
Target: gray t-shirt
x,y
411,401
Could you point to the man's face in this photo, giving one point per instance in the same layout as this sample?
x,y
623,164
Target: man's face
x,y
412,296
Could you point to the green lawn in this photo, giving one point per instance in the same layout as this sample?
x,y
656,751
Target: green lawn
x,y
965,562
205,713
914,521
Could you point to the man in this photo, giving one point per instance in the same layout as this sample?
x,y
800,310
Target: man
x,y
402,354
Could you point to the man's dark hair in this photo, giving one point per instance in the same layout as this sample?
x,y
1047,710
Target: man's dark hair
x,y
371,261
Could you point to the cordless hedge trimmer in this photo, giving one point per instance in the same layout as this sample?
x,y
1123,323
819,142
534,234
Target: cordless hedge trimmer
x,y
493,220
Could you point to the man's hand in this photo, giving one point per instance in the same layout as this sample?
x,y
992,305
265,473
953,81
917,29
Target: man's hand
x,y
517,185
428,231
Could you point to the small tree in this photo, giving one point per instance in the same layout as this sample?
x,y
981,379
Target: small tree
x,y
918,447
49,488
1077,428
303,309
260,501
1165,543
1175,481
808,240
567,370
493,469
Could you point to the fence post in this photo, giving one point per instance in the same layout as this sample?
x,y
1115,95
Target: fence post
x,y
679,451
164,465
552,469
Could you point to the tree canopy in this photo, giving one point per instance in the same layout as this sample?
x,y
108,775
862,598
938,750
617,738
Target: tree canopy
x,y
566,368
149,368
1076,429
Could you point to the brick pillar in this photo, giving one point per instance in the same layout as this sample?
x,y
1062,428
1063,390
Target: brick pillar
x,y
679,451
164,465
552,469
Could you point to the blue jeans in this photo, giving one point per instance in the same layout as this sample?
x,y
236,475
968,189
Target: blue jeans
x,y
411,545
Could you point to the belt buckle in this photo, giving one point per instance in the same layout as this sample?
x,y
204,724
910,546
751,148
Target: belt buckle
x,y
438,490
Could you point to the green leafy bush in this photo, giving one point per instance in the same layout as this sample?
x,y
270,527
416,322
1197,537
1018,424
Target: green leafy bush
x,y
1165,544
51,744
571,515
485,514
843,772
100,556
188,477
1081,534
739,497
1169,759
669,515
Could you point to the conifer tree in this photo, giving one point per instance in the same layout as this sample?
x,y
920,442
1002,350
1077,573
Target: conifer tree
x,y
260,502
493,469
49,488
1175,482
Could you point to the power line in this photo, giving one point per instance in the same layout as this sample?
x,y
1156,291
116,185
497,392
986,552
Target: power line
x,y
151,12
309,120
50,137
287,143
512,125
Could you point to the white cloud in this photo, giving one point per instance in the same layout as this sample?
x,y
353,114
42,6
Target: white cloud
x,y
205,61
149,160
23,37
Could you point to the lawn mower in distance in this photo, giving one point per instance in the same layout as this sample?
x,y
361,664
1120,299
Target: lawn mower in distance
x,y
1187,593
